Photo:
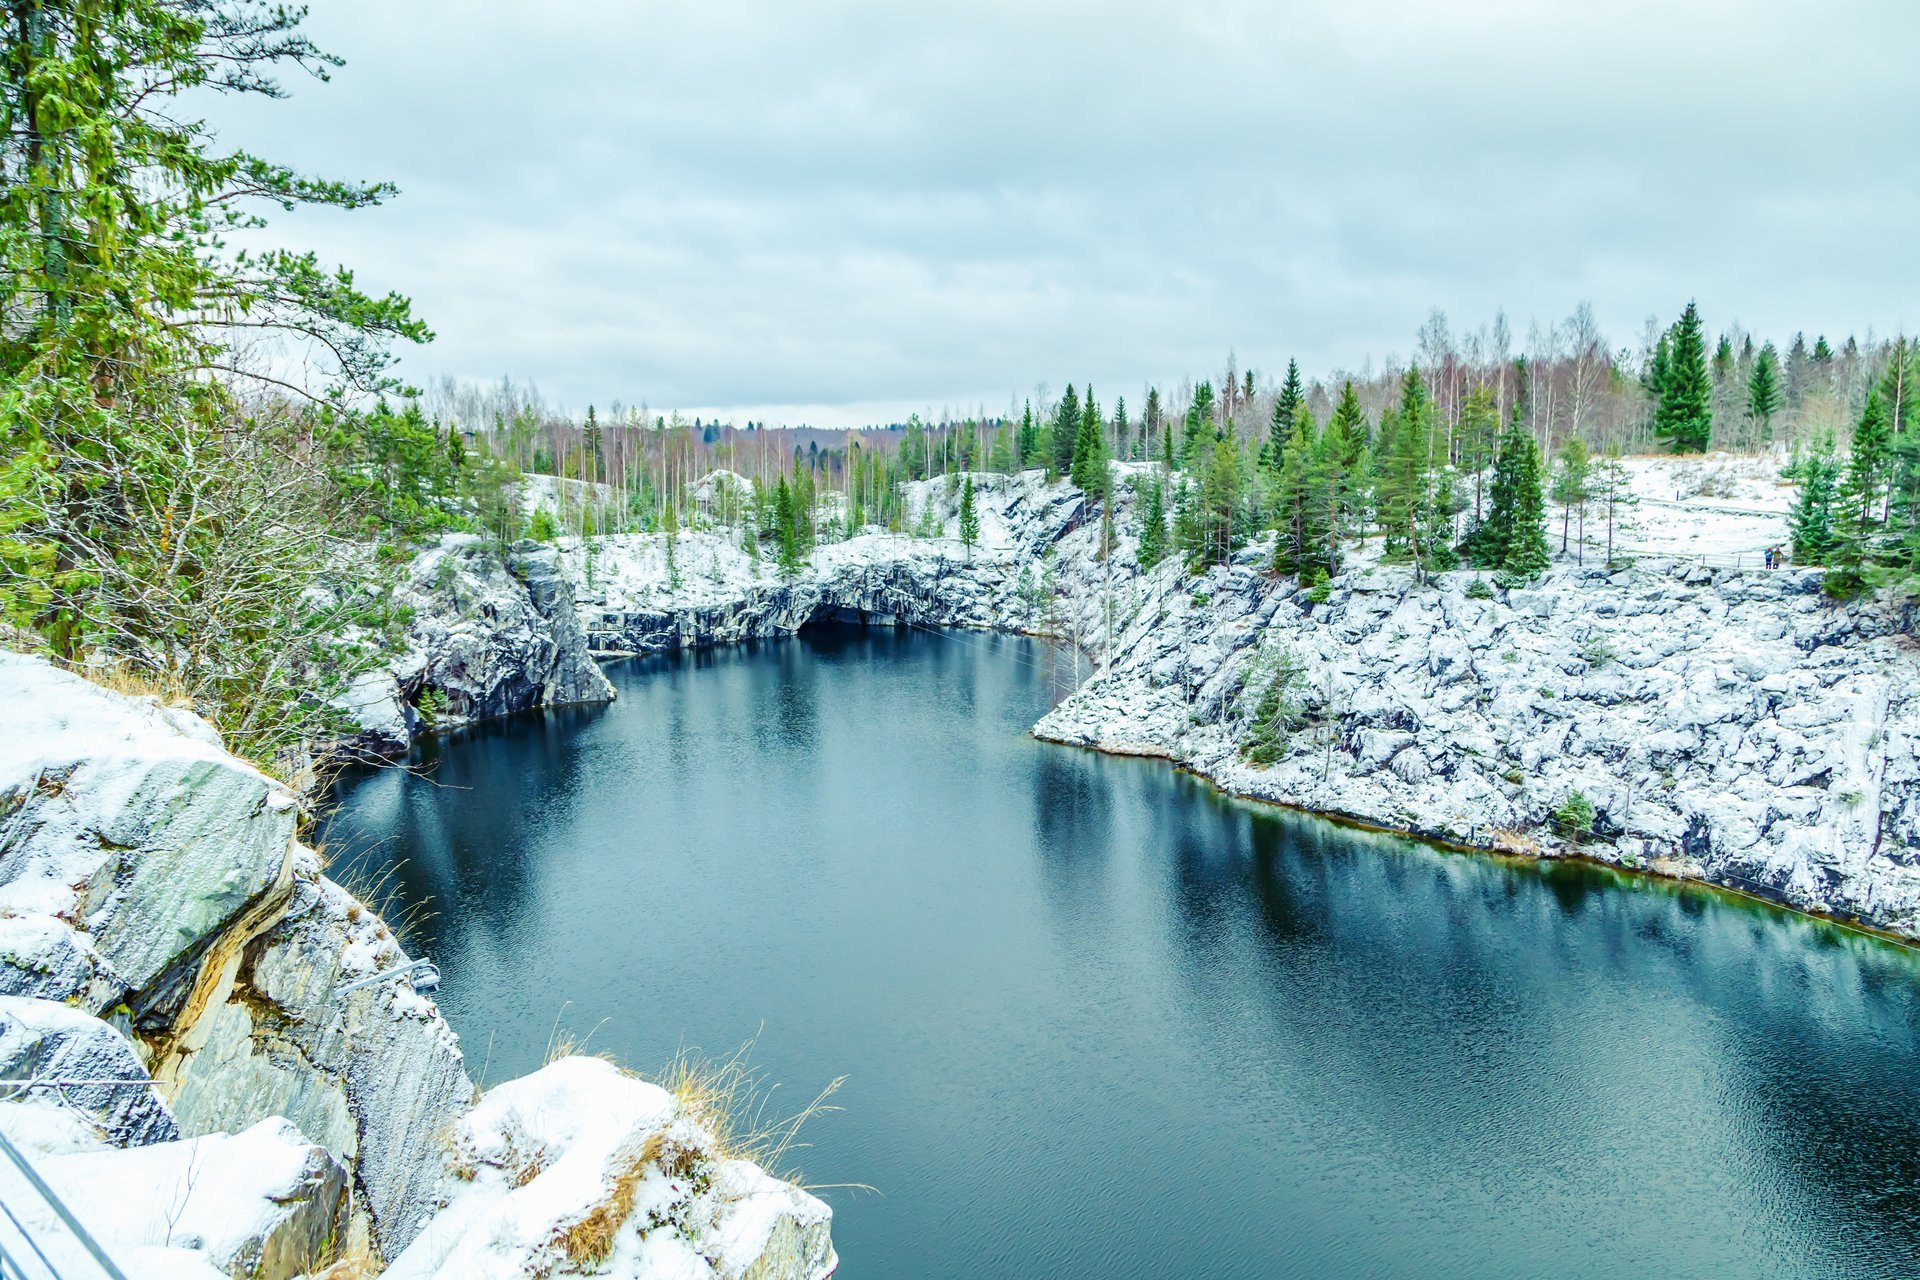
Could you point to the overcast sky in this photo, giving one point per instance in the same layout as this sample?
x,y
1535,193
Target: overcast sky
x,y
847,210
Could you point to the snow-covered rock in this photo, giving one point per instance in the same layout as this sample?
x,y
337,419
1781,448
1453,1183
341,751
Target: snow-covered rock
x,y
262,1204
485,636
48,1041
1726,723
580,1166
374,1075
129,838
146,871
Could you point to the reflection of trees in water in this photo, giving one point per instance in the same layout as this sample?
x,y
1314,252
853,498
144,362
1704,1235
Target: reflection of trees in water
x,y
1448,1002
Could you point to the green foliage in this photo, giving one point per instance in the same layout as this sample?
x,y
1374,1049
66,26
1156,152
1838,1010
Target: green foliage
x,y
1478,588
1280,678
1512,540
1573,818
1286,407
393,469
1683,411
1088,468
1322,589
1812,522
1763,390
1066,433
1597,650
1215,515
1153,524
146,517
969,517
541,527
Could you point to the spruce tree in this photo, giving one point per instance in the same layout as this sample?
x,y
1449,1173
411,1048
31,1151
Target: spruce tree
x,y
1121,445
1812,521
1066,432
1285,406
1153,525
1028,439
1763,391
969,517
592,457
1684,415
1200,429
1089,467
1863,497
1523,551
1290,502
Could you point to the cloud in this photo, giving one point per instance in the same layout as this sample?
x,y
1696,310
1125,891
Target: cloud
x,y
741,203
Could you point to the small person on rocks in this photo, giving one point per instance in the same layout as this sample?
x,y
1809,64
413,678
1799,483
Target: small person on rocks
x,y
1769,557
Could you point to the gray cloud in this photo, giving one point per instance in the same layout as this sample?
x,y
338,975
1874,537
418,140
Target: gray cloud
x,y
869,206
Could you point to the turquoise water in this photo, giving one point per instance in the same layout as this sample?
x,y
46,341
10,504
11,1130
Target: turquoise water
x,y
1098,1021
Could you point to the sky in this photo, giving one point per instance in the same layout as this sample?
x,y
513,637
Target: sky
x,y
838,212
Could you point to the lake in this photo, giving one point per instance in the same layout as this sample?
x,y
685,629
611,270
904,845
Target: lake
x,y
1097,1020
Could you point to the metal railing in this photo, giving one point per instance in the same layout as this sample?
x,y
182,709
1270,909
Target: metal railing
x,y
40,1239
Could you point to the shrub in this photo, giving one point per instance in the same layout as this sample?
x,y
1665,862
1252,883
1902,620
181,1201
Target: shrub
x,y
1478,588
1278,712
1597,650
1322,587
1574,818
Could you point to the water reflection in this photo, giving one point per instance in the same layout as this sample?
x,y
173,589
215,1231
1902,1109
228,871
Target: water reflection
x,y
1101,1022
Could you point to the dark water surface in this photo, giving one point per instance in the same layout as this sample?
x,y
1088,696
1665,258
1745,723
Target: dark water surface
x,y
1097,1021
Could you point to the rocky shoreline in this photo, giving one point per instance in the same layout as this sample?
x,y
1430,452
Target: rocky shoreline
x,y
1735,728
164,930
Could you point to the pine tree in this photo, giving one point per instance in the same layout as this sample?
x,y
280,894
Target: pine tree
x,y
1198,429
1285,406
1572,482
1404,471
786,529
1089,471
1812,520
969,517
1684,414
1066,432
1523,546
593,459
1153,525
1121,445
1029,438
1150,421
1763,390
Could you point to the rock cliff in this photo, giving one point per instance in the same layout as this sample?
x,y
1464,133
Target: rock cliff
x,y
162,925
486,635
1735,727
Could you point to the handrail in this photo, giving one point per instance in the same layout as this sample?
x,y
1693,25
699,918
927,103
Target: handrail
x,y
60,1211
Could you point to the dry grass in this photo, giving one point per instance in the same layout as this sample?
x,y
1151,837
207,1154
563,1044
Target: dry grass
x,y
381,892
732,1102
591,1239
1515,842
125,678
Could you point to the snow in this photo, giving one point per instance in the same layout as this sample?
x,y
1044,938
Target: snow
x,y
539,1156
184,1209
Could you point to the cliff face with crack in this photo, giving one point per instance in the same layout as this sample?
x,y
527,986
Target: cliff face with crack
x,y
486,635
1739,728
160,921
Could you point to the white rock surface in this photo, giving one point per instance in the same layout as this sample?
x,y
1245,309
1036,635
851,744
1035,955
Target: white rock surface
x,y
1736,726
582,1167
128,838
260,1204
46,1041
